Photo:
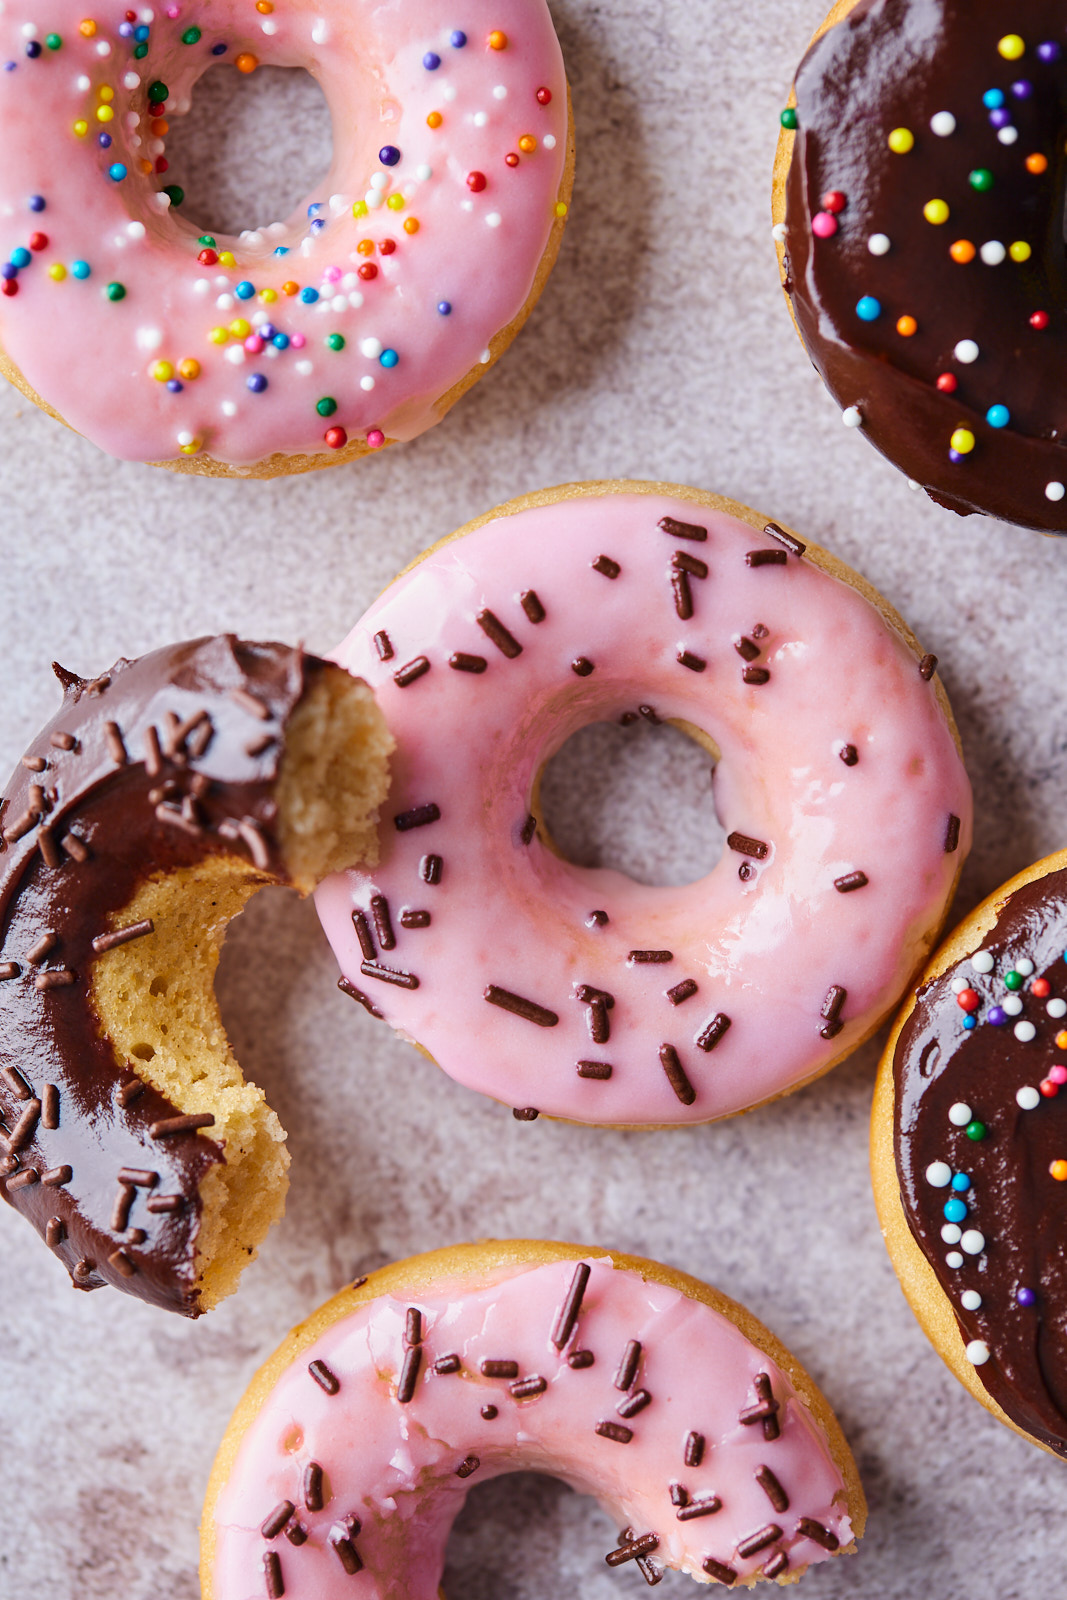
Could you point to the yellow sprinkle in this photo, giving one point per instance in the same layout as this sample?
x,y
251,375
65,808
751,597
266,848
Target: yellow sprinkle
x,y
240,328
1011,46
218,336
57,271
901,140
162,372
268,296
1020,250
81,128
434,120
191,449
360,208
395,202
935,211
104,114
527,144
963,441
226,259
561,208
411,224
189,369
106,93
87,28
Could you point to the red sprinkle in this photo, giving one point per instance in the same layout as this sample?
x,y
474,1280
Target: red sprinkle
x,y
10,286
38,241
544,96
511,159
368,270
1040,988
387,247
208,258
967,999
162,165
335,438
476,182
1049,1089
833,200
947,383
1039,319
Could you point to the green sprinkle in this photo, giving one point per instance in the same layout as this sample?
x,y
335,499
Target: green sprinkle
x,y
139,52
191,36
116,291
176,192
975,1130
207,241
326,406
981,179
158,93
1013,980
53,41
788,118
335,341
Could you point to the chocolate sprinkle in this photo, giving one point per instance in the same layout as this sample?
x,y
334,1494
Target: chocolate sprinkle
x,y
16,1083
747,649
133,930
296,1533
676,1075
429,866
23,1179
849,755
633,1549
57,978
139,1177
640,957
927,667
524,1388
418,817
772,1489
122,1263
62,741
683,595
810,1529
705,1507
46,844
130,1090
634,1403
694,663
186,1124
532,606
446,1364
346,1551
711,1035
765,1410
745,845
272,1575
682,991
402,980
790,540
952,833
384,645
649,715
582,666
364,935
383,925
835,999
499,1369
120,1213
719,1570
495,630
323,1376
567,1319
165,1203
679,1495
597,919
528,829
599,1022
594,1069
682,530
9,969
753,1543
528,1009
851,880
755,675
627,1372
488,1412
467,1466
684,562
273,1525
614,1430
414,919
776,1565
74,847
35,763
409,1373
766,558
579,1359
694,1449
55,1232
525,1113
461,662
313,1486
607,566
249,702
37,953
56,1177
411,672
24,1128
349,988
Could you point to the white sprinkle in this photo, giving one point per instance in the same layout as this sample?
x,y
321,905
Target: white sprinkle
x,y
149,338
355,299
448,91
1057,1008
269,27
423,172
1054,491
493,220
959,1115
367,383
1008,135
136,230
201,286
338,303
879,244
29,30
225,302
1024,1032
271,352
252,236
83,84
275,228
371,348
966,351
228,408
953,1259
952,1233
977,1353
104,49
338,203
942,123
236,355
500,93
778,232
852,416
1012,1004
162,201
480,118
939,1173
549,142
1025,967
222,281
380,180
973,1242
959,984
374,199
466,205
350,280
320,32
913,484
970,1300
186,438
304,368
992,253
147,14
486,356
982,961
131,81
322,306
1027,1098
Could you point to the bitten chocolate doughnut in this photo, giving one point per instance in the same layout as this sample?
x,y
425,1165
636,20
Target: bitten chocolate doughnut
x,y
919,201
838,782
356,321
162,795
355,1445
969,1152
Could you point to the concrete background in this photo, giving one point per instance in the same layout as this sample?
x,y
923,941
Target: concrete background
x,y
661,348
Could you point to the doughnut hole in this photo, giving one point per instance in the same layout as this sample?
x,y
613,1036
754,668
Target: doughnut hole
x,y
155,997
637,799
252,146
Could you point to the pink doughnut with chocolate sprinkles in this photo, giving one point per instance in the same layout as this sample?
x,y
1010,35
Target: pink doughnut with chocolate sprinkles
x,y
356,1444
838,782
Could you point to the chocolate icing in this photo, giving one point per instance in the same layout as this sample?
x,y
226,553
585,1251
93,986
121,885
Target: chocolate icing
x,y
894,64
1014,1201
53,1036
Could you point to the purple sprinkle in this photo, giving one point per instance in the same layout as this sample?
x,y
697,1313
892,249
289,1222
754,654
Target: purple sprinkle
x,y
458,39
33,49
1022,89
174,386
997,1016
104,141
36,202
1050,51
389,155
257,383
1000,118
9,270
431,61
125,30
955,455
1026,1297
218,49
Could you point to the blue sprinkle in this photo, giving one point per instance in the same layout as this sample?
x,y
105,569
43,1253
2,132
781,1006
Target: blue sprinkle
x,y
997,1016
389,155
868,309
955,1210
309,296
140,34
1022,89
388,358
431,61
9,271
36,202
218,49
174,387
282,250
444,308
10,66
33,49
245,290
992,99
80,269
257,383
961,1183
458,39
280,341
104,141
116,172
315,208
998,416
969,1023
21,257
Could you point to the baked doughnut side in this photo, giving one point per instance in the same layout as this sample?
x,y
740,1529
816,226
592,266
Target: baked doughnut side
x,y
965,1137
141,819
561,1311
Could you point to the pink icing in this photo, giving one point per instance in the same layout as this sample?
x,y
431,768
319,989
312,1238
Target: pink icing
x,y
476,250
394,1466
763,940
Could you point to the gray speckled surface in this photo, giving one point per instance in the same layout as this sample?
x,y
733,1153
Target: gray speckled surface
x,y
660,349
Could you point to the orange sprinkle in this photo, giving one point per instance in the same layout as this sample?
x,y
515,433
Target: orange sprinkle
x,y
498,40
527,144
962,251
1061,1039
87,28
146,167
906,326
365,247
264,7
1037,163
189,369
290,287
411,225
160,126
1058,1170
246,61
434,120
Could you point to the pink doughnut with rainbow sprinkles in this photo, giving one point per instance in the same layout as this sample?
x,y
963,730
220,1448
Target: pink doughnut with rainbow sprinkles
x,y
356,321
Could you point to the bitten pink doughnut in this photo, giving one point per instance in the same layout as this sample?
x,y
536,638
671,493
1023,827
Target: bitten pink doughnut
x,y
356,1444
356,321
839,783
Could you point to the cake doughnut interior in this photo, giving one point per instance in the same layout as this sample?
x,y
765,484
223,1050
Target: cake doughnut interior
x,y
163,794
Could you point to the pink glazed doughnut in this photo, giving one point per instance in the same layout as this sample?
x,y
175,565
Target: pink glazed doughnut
x,y
356,1444
355,322
839,783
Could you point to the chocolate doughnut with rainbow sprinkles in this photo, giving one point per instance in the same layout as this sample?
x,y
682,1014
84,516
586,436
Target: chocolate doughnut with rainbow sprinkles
x,y
919,196
354,322
969,1152
356,1444
838,782
140,820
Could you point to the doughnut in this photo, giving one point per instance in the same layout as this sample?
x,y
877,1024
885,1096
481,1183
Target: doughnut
x,y
353,323
969,1152
918,204
357,1442
838,782
140,820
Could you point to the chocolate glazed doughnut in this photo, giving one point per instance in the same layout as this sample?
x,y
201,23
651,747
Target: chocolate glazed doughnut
x,y
140,820
922,195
